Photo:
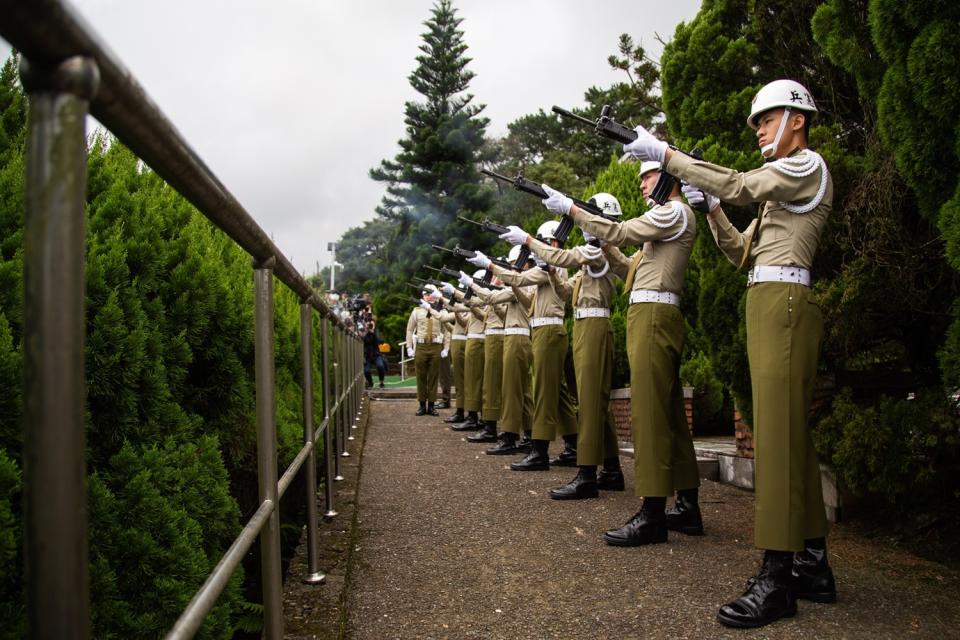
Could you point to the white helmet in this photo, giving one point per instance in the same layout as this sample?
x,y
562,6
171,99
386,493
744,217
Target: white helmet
x,y
788,94
647,166
607,203
780,93
479,273
548,230
514,253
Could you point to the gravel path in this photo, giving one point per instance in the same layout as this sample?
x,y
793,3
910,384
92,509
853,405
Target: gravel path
x,y
452,544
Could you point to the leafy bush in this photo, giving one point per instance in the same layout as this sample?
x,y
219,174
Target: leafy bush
x,y
901,451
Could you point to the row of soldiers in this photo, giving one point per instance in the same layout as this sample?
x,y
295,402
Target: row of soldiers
x,y
510,349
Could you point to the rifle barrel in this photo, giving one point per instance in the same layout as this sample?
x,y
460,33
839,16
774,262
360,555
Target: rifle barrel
x,y
570,114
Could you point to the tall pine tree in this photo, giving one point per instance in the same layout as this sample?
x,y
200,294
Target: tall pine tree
x,y
434,177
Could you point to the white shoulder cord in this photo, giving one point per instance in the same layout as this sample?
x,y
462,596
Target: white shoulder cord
x,y
664,220
801,166
603,272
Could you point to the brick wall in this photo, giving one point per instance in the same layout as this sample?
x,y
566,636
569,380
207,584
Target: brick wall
x,y
620,408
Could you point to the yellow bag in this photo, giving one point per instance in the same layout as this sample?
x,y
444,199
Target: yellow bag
x,y
384,347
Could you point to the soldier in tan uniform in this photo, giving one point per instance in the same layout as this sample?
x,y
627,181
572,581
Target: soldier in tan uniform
x,y
473,357
591,291
425,341
784,329
445,374
516,399
492,361
664,460
553,409
458,348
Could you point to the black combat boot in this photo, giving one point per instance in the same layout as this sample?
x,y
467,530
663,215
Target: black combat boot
x,y
488,434
431,411
647,526
456,418
444,403
583,486
685,515
472,423
610,477
525,444
536,460
506,445
769,595
422,411
812,576
567,457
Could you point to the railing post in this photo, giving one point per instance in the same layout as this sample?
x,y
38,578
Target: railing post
x,y
338,413
54,326
351,344
314,575
345,409
328,454
267,448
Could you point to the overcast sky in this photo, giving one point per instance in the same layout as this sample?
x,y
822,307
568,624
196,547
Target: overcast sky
x,y
291,102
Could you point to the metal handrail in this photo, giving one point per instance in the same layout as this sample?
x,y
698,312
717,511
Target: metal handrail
x,y
49,31
68,72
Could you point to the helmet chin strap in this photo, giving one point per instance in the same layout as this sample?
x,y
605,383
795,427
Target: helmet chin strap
x,y
769,150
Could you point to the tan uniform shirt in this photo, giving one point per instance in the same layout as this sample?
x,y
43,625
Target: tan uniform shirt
x,y
664,262
546,302
495,313
476,312
425,325
778,237
516,316
593,292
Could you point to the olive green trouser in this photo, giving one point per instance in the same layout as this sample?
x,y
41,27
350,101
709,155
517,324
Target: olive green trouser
x,y
458,350
784,330
664,460
516,398
427,364
492,376
553,411
446,377
473,360
593,360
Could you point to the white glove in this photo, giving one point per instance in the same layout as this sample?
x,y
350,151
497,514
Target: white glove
x,y
646,147
412,349
590,252
556,201
448,289
426,305
479,260
465,280
695,195
444,353
515,235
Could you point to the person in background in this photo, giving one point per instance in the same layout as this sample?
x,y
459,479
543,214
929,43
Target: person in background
x,y
372,358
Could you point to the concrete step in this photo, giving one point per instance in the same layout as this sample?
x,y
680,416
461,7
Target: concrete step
x,y
709,467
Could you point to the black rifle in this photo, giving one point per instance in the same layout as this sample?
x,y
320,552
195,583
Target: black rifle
x,y
467,254
499,229
606,127
486,225
529,186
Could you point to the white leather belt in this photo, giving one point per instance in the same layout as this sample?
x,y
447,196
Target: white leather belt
x,y
591,312
475,336
493,332
516,331
773,273
542,322
458,336
436,340
649,295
